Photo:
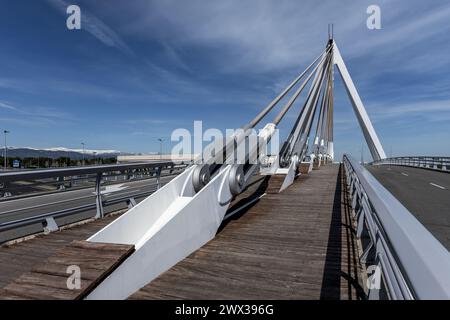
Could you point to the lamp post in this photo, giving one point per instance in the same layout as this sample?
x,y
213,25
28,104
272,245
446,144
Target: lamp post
x,y
362,154
6,149
82,163
160,147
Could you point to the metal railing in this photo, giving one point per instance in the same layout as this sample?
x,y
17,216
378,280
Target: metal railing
x,y
99,174
408,261
433,163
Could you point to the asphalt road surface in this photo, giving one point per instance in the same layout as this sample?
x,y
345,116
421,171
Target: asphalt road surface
x,y
425,193
31,206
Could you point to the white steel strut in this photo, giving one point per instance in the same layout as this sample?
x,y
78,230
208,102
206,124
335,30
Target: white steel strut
x,y
375,147
166,227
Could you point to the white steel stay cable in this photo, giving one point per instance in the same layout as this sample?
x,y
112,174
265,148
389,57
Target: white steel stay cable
x,y
230,144
270,106
301,142
250,168
301,122
323,138
323,124
296,127
331,107
294,97
307,130
323,104
291,101
298,92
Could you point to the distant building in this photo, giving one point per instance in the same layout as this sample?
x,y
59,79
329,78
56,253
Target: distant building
x,y
156,157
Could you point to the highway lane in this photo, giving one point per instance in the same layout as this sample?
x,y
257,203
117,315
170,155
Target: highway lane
x,y
27,207
425,193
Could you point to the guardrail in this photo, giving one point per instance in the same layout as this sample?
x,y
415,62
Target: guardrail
x,y
99,173
433,163
406,260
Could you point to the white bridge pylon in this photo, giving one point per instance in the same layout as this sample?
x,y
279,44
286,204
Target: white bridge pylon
x,y
374,144
186,213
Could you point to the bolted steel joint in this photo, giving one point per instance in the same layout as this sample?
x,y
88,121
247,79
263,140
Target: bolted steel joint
x,y
236,179
200,176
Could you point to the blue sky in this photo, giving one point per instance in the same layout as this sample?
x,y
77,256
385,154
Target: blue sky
x,y
139,69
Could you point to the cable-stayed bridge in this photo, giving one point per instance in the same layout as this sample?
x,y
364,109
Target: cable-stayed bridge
x,y
295,224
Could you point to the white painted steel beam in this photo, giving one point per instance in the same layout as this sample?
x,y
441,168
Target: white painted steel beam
x,y
166,227
375,147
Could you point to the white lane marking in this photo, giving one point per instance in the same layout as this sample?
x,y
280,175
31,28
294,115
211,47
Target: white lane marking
x,y
405,174
437,186
112,188
126,193
45,204
70,192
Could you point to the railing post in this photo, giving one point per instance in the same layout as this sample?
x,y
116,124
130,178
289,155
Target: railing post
x,y
98,196
7,192
158,177
131,203
50,225
374,290
60,183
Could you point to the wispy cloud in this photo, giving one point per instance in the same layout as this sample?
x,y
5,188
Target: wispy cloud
x,y
7,106
148,121
36,115
431,110
230,58
96,27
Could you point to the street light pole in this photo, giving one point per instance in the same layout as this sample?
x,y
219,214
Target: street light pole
x,y
83,153
6,150
160,147
362,154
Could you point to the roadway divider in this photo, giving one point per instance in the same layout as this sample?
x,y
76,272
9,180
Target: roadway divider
x,y
432,163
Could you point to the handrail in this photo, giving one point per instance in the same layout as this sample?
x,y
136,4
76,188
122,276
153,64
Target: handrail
x,y
414,264
4,226
65,172
428,162
99,172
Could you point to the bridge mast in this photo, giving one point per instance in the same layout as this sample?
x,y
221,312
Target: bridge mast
x,y
375,147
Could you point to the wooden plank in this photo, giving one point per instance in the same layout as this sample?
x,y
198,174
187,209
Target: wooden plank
x,y
298,244
275,183
49,280
61,271
18,258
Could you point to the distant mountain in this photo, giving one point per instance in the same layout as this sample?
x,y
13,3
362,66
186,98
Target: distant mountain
x,y
54,153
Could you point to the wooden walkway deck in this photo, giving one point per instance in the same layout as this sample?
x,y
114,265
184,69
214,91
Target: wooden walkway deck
x,y
52,278
19,258
299,244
